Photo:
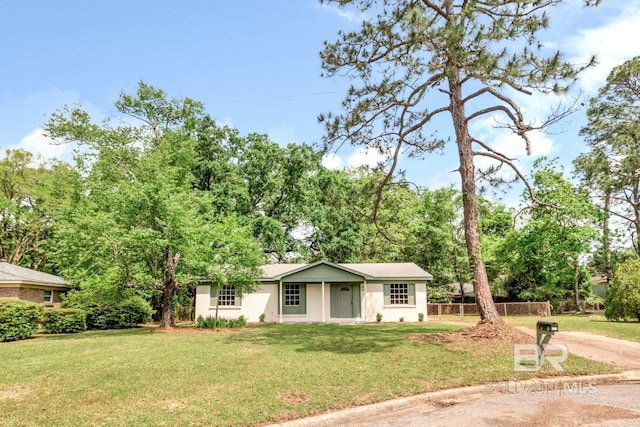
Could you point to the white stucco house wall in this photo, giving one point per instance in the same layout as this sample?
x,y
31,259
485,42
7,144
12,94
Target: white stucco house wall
x,y
324,292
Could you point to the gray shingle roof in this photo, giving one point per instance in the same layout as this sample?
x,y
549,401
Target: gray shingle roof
x,y
380,271
14,273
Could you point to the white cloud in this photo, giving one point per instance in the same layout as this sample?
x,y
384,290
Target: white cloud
x,y
332,161
612,43
40,145
362,157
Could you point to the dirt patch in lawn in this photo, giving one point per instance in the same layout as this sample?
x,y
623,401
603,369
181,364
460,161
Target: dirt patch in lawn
x,y
482,332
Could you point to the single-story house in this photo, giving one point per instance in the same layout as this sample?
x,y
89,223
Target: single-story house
x,y
324,292
23,283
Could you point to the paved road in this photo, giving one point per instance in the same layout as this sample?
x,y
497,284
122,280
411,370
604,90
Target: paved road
x,y
564,405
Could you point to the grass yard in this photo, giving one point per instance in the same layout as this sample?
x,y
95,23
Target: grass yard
x,y
596,324
262,374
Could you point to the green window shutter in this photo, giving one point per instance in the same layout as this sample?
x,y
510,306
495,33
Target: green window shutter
x,y
411,289
303,299
335,289
213,295
238,298
356,300
387,294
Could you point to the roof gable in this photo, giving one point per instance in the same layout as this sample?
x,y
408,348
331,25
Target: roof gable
x,y
325,271
321,271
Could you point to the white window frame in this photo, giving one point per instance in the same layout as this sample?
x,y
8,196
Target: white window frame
x,y
292,295
399,294
227,296
50,299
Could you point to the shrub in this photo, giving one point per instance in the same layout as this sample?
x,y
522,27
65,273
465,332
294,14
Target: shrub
x,y
64,320
211,322
420,317
378,317
18,319
623,295
109,311
262,316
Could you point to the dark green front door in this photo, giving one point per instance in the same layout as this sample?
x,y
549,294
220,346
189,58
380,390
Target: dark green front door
x,y
345,300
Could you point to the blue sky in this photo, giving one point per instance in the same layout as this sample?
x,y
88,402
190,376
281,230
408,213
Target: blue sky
x,y
253,63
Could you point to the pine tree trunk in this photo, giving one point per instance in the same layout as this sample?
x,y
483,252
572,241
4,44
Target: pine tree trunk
x,y
484,301
167,318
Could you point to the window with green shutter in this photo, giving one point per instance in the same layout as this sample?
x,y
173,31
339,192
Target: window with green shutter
x,y
399,294
227,296
294,299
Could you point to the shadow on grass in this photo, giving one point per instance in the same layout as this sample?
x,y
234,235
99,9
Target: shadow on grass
x,y
342,339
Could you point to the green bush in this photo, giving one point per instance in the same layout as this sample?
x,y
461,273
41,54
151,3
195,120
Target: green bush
x,y
109,311
64,320
221,322
18,319
438,297
623,294
420,317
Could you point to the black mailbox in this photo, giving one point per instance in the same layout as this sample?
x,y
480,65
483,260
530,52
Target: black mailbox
x,y
545,325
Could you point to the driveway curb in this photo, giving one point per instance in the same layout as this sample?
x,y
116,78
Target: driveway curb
x,y
448,397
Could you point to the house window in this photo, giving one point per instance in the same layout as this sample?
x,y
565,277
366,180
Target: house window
x,y
48,297
292,295
399,294
294,299
226,296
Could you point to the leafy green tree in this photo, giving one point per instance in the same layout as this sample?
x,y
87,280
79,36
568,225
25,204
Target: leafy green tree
x,y
545,255
278,188
29,196
416,61
613,133
338,231
136,220
436,237
623,294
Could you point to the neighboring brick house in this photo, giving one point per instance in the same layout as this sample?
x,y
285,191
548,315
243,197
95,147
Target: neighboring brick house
x,y
23,283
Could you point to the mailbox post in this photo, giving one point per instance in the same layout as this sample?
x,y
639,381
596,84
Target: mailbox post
x,y
544,332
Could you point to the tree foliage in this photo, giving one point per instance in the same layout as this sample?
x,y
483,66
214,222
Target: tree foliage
x,y
546,254
136,219
29,196
611,166
623,295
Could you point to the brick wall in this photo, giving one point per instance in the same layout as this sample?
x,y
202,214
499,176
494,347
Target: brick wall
x,y
34,295
9,292
29,294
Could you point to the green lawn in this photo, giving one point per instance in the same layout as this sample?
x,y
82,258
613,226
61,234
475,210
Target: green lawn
x,y
264,373
596,324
